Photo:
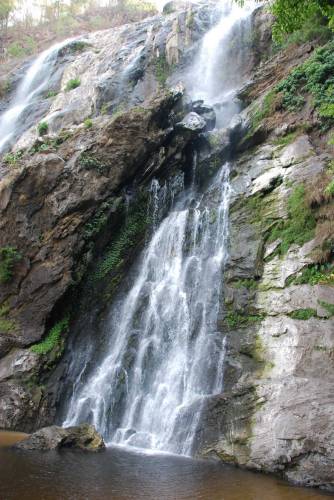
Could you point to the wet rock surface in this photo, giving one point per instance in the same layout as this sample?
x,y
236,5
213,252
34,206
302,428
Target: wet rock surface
x,y
62,206
82,437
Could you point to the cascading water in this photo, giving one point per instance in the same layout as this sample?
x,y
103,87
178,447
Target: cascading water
x,y
165,355
34,83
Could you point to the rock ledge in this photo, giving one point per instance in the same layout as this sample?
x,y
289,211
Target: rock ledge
x,y
84,437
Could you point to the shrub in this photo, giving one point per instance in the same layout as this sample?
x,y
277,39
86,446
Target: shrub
x,y
72,84
42,128
8,257
52,339
315,77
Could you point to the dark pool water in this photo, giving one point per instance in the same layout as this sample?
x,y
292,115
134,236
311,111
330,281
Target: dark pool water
x,y
119,474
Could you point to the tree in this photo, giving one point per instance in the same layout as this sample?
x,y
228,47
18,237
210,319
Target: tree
x,y
6,8
291,15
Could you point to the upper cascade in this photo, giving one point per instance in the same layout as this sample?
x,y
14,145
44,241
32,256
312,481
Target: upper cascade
x,y
111,71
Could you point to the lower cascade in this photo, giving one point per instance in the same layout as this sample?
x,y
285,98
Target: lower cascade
x,y
165,354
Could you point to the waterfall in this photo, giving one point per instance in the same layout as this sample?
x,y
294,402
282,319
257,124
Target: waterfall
x,y
33,84
165,355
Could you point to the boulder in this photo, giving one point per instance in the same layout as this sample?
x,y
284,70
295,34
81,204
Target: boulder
x,y
82,437
206,112
192,122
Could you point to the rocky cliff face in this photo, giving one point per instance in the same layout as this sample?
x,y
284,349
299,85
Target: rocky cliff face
x,y
277,411
74,207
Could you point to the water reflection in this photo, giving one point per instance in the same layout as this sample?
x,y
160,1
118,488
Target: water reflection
x,y
118,474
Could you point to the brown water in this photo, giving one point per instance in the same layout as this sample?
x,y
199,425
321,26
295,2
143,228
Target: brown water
x,y
118,474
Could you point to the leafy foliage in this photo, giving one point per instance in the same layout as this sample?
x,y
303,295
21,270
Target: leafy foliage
x,y
88,123
13,158
314,275
126,239
73,84
315,76
235,319
303,314
52,339
42,128
292,15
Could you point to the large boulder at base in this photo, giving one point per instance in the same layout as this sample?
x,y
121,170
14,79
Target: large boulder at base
x,y
83,437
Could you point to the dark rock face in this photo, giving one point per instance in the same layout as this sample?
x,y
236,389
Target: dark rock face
x,y
83,437
62,207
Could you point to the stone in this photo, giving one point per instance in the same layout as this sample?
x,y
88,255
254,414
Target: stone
x,y
82,437
192,122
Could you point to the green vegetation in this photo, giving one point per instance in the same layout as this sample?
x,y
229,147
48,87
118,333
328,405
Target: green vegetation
x,y
329,191
98,222
313,275
78,46
51,93
303,314
162,70
315,76
53,338
118,111
88,123
237,320
299,226
6,325
264,110
89,162
48,143
104,109
13,158
8,257
42,128
327,306
73,84
22,48
250,284
286,139
292,15
127,238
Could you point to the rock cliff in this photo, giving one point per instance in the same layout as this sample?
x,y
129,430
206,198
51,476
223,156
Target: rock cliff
x,y
74,213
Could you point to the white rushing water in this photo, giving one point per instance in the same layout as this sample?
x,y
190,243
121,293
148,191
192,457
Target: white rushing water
x,y
165,354
33,84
